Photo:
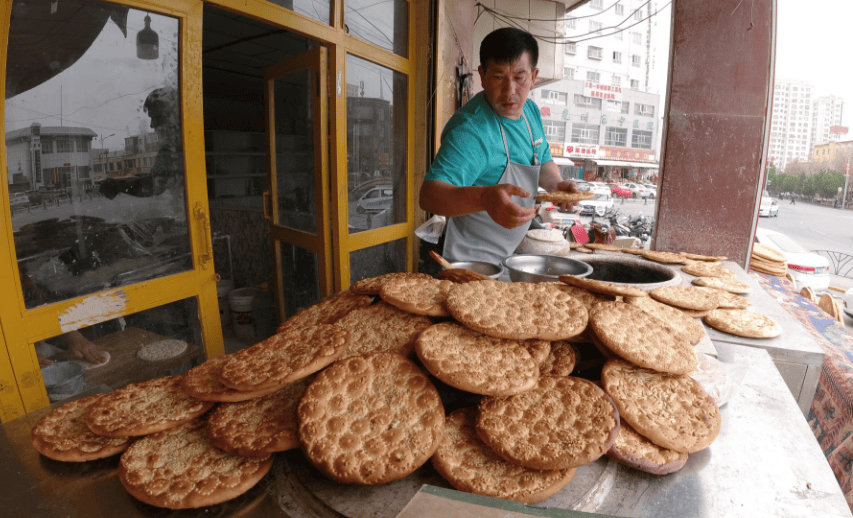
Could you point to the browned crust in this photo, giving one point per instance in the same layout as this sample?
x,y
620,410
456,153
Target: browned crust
x,y
372,285
202,382
564,196
561,361
603,288
634,450
327,311
418,295
63,435
460,275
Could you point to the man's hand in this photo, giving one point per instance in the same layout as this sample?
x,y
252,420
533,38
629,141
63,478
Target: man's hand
x,y
567,186
82,348
497,201
44,361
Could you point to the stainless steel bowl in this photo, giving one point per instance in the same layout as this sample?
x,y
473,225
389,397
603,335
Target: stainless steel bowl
x,y
487,269
543,268
64,377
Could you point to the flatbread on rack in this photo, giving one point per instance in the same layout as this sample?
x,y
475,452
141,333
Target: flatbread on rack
x,y
743,322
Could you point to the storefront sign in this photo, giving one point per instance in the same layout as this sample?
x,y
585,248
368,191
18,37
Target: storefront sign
x,y
600,91
556,148
629,154
581,150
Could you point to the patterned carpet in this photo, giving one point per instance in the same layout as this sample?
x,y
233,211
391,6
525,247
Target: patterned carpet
x,y
831,414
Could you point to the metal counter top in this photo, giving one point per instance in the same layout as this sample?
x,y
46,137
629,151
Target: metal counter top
x,y
765,463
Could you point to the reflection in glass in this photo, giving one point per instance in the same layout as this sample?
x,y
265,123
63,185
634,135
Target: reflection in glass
x,y
376,145
383,23
294,148
319,10
379,259
299,278
108,353
94,151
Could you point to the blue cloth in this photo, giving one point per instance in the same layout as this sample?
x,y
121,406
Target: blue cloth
x,y
472,150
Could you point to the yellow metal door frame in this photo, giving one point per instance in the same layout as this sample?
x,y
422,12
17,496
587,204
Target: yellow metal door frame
x,y
316,62
24,390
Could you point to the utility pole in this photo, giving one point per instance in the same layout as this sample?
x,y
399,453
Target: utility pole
x,y
847,168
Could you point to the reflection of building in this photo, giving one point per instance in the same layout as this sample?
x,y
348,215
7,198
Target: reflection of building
x,y
826,120
790,131
136,159
829,151
49,156
369,137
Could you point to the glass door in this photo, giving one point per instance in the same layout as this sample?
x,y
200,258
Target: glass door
x,y
298,204
106,227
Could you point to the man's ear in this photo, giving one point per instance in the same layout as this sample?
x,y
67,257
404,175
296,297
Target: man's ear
x,y
482,72
535,73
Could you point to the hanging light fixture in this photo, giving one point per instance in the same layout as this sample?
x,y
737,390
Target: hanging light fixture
x,y
147,42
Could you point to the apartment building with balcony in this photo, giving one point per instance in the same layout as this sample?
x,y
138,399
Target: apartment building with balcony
x,y
791,122
826,120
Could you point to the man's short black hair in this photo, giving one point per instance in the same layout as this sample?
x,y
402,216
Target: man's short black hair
x,y
505,45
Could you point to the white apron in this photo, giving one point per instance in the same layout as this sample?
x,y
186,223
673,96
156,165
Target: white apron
x,y
476,237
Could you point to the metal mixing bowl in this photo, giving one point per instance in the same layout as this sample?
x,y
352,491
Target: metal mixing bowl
x,y
487,269
543,268
64,377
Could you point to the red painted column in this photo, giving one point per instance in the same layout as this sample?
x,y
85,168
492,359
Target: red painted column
x,y
712,166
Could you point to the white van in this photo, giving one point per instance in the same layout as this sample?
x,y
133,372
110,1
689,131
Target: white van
x,y
376,199
602,201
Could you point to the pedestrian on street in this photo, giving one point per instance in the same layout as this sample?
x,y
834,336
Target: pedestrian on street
x,y
793,200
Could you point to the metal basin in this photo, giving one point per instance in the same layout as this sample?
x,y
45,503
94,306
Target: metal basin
x,y
631,271
543,268
64,378
487,269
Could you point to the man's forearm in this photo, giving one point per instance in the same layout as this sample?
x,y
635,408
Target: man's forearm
x,y
445,199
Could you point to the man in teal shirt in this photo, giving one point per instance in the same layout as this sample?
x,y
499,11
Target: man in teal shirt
x,y
493,156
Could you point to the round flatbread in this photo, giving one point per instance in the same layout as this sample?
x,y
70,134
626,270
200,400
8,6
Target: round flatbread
x,y
261,426
632,449
382,327
603,288
743,322
161,350
293,354
565,422
670,317
729,300
327,311
370,419
181,469
514,310
633,251
603,246
460,275
561,361
729,284
465,461
538,349
664,257
642,338
475,362
809,293
704,269
144,408
418,295
700,257
672,411
687,297
564,196
202,382
768,253
63,435
372,285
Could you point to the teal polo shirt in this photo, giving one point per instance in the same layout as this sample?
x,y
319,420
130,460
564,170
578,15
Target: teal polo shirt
x,y
472,150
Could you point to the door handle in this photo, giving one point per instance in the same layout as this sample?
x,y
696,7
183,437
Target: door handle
x,y
207,257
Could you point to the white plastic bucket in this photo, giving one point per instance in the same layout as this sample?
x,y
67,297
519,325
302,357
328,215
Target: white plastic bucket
x,y
223,288
241,311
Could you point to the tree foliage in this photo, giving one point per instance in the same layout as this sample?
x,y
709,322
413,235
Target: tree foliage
x,y
823,183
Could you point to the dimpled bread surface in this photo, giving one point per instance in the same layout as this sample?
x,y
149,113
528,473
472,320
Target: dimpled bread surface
x,y
563,423
382,327
471,466
327,311
285,357
729,284
672,411
144,408
202,382
63,435
703,269
743,322
372,285
670,317
730,300
370,419
517,310
632,449
418,295
475,362
561,361
258,427
642,339
687,297
181,469
603,288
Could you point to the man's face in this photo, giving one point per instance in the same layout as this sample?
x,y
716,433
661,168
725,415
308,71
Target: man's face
x,y
506,85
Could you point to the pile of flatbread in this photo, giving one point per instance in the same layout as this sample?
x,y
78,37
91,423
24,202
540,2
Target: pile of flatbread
x,y
351,381
768,260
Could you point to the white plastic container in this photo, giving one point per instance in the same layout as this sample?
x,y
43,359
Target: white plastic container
x,y
223,289
241,302
544,241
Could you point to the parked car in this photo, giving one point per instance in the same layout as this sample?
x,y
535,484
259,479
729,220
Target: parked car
x,y
769,207
582,185
653,190
19,199
599,205
637,189
806,267
376,199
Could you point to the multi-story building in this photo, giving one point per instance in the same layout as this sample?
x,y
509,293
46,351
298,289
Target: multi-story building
x,y
834,153
599,118
791,123
48,156
826,119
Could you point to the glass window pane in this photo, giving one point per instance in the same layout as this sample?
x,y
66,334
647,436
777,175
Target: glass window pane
x,y
294,147
382,22
93,96
376,145
379,259
319,10
130,355
299,277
